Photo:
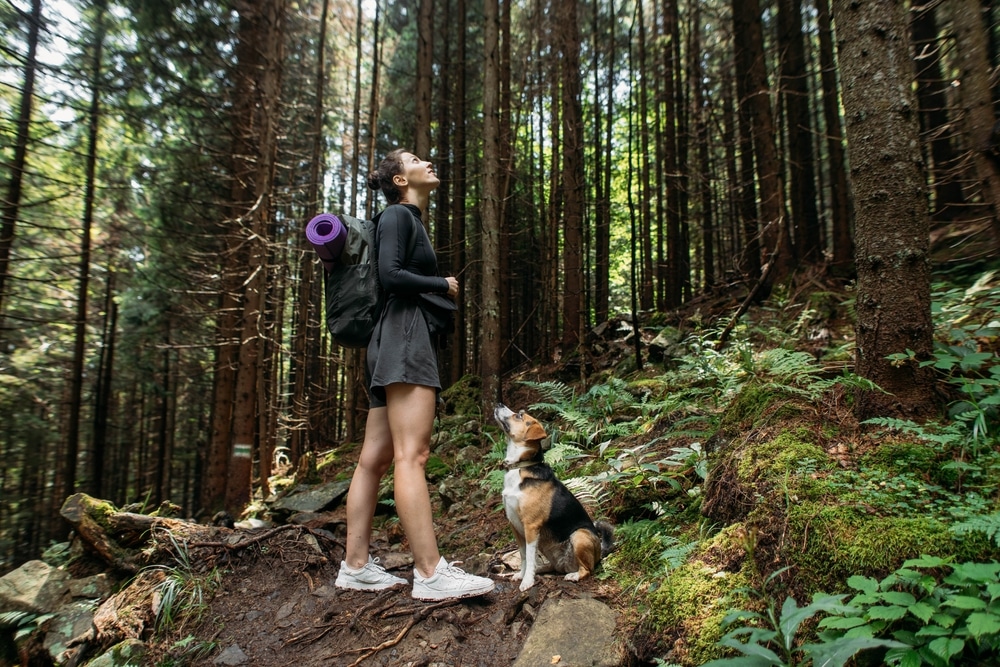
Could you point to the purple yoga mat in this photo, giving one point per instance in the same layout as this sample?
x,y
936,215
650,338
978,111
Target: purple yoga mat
x,y
327,234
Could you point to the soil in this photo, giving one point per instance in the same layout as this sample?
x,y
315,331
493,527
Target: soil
x,y
277,603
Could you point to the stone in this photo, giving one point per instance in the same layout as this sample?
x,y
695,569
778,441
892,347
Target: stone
x,y
314,499
233,655
581,633
34,587
125,654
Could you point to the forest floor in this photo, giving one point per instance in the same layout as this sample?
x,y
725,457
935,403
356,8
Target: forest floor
x,y
279,606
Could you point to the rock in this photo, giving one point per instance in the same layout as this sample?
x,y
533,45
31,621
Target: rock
x,y
314,499
580,632
96,587
71,622
34,587
233,655
125,654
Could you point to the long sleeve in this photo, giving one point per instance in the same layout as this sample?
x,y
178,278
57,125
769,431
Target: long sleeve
x,y
396,226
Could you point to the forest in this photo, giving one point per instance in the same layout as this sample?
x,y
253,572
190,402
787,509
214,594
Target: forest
x,y
605,164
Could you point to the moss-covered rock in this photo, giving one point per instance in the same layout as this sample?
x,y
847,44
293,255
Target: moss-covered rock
x,y
688,608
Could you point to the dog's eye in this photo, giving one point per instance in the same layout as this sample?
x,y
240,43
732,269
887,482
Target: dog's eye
x,y
520,415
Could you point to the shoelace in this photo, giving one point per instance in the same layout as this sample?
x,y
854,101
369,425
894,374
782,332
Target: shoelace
x,y
375,563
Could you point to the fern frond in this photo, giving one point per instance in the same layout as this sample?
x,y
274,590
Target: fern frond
x,y
988,524
557,392
588,491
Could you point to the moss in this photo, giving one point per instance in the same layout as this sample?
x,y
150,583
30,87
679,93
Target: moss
x,y
917,458
746,407
828,544
690,604
790,453
464,397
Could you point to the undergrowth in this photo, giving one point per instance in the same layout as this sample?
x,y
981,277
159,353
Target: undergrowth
x,y
636,448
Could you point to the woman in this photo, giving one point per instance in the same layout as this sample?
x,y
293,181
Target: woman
x,y
403,387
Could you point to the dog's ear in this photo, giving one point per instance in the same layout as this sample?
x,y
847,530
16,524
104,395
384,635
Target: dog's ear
x,y
535,431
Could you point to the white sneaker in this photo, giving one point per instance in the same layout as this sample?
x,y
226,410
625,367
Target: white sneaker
x,y
448,583
370,577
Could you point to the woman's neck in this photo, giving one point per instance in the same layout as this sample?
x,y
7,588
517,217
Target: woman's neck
x,y
416,198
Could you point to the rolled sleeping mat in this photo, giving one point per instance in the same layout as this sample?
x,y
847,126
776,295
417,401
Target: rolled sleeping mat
x,y
327,235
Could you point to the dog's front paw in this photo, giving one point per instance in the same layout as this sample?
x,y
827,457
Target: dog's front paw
x,y
527,583
517,576
573,576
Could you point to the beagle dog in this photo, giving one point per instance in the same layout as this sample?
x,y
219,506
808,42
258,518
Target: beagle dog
x,y
545,515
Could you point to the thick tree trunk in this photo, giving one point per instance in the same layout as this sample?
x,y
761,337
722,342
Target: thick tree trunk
x,y
893,292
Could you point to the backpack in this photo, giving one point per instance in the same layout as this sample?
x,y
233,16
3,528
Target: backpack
x,y
350,285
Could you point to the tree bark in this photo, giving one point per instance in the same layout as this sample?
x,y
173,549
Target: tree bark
x,y
751,66
11,205
801,169
572,177
83,284
981,125
934,121
489,357
893,291
840,204
258,53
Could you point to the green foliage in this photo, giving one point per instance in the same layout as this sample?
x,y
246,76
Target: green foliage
x,y
939,619
183,592
771,637
988,524
186,651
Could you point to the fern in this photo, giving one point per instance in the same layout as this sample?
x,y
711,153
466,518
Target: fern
x,y
988,524
950,435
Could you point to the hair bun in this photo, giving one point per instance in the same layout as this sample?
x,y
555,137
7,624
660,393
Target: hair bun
x,y
373,181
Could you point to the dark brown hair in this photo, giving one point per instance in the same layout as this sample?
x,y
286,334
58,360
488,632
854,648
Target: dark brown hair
x,y
381,178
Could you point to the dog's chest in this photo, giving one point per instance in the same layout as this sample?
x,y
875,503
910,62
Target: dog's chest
x,y
512,497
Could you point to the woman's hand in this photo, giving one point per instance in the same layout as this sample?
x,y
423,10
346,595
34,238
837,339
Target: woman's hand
x,y
452,286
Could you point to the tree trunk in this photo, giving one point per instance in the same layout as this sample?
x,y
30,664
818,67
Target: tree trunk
x,y
573,184
489,354
795,93
425,58
935,124
83,285
703,178
11,205
306,335
893,292
460,188
752,67
258,90
840,205
977,104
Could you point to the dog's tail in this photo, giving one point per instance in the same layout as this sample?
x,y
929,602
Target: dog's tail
x,y
607,534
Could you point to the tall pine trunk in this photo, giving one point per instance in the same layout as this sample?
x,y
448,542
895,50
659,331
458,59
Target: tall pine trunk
x,y
489,344
893,291
258,91
83,282
10,207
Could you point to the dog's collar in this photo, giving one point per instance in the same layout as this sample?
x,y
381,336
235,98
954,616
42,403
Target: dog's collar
x,y
524,464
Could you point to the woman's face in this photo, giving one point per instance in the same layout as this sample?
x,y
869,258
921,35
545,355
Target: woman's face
x,y
419,174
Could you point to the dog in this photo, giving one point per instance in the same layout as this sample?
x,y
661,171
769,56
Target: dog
x,y
545,515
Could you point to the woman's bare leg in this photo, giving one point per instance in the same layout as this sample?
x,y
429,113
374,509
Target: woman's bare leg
x,y
411,422
376,457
